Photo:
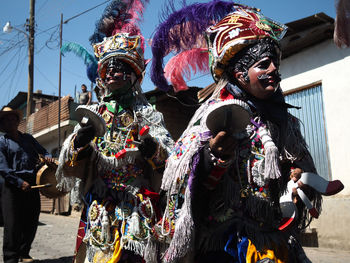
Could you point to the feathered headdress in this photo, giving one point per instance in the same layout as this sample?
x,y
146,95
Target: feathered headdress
x,y
117,34
242,27
89,59
182,34
120,16
120,19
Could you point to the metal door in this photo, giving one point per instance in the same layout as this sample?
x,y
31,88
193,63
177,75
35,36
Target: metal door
x,y
313,125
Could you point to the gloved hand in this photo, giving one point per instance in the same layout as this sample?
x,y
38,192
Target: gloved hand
x,y
84,136
148,147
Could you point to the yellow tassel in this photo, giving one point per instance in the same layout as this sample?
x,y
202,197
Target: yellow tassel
x,y
253,255
117,249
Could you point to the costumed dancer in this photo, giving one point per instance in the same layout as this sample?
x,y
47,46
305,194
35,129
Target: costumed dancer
x,y
118,161
223,182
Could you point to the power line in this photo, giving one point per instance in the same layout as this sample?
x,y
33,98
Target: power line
x,y
44,31
54,39
44,76
10,61
12,75
19,73
74,74
11,45
201,76
41,7
67,20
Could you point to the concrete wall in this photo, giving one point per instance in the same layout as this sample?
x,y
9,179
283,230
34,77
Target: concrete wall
x,y
330,66
332,225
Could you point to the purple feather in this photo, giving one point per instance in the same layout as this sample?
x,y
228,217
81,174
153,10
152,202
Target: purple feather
x,y
184,30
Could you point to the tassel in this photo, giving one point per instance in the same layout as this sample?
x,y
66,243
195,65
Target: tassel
x,y
105,227
151,252
134,246
135,223
272,170
117,253
183,239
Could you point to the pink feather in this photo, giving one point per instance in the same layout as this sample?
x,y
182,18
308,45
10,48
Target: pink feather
x,y
131,25
185,63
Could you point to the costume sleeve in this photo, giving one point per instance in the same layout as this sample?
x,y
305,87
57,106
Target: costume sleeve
x,y
211,168
69,167
154,119
5,171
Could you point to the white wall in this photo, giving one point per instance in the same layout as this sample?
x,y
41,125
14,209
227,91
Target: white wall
x,y
330,65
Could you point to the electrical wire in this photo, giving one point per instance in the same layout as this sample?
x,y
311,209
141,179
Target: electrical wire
x,y
183,103
11,45
41,7
47,79
74,74
3,71
12,76
69,19
18,73
55,39
75,16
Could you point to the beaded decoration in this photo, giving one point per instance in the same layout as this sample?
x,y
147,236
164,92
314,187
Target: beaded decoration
x,y
125,130
182,145
130,220
119,179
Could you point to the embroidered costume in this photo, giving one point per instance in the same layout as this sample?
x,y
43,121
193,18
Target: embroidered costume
x,y
117,172
226,208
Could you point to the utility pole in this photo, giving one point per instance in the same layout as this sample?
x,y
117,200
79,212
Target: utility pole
x,y
59,88
60,66
30,58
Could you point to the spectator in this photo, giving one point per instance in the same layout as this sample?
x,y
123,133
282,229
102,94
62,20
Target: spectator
x,y
84,96
19,158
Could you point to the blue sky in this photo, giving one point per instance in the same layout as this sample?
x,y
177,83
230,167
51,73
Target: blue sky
x,y
14,49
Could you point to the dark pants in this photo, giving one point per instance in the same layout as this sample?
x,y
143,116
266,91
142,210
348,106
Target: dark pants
x,y
21,215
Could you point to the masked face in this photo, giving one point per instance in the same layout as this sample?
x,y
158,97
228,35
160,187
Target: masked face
x,y
263,78
118,74
255,69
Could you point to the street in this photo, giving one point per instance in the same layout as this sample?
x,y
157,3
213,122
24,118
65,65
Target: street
x,y
55,242
55,239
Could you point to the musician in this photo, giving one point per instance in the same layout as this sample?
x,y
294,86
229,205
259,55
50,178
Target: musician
x,y
223,188
19,158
